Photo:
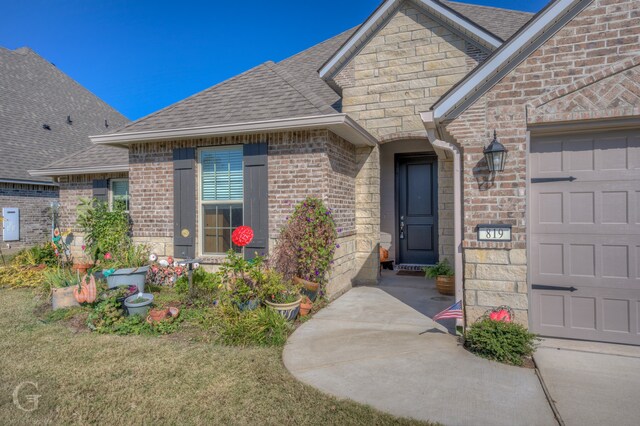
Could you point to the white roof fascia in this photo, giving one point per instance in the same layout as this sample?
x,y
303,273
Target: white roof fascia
x,y
435,7
502,57
79,170
339,123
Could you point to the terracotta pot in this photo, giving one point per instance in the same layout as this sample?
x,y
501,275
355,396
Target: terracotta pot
x,y
158,314
81,267
305,307
446,285
309,288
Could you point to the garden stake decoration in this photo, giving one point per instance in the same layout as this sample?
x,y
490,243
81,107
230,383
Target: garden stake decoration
x,y
242,236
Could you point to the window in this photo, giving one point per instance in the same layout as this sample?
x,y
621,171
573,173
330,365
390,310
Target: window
x,y
119,193
221,190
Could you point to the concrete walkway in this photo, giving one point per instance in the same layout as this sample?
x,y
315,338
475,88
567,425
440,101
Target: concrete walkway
x,y
592,383
371,347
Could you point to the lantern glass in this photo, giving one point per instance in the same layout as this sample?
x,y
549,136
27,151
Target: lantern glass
x,y
495,155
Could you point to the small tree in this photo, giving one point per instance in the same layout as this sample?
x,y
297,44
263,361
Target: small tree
x,y
307,242
105,231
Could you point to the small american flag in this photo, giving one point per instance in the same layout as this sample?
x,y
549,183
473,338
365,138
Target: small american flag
x,y
453,311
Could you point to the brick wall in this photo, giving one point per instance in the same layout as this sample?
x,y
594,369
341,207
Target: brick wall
x,y
34,202
302,163
597,45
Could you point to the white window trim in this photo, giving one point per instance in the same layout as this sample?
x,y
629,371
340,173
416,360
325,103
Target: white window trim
x,y
200,212
111,192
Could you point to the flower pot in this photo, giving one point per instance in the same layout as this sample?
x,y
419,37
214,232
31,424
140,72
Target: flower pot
x,y
63,298
309,288
446,285
82,268
157,315
305,308
287,310
249,305
128,276
141,308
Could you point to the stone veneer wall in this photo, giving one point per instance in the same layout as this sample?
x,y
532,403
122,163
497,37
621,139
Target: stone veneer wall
x,y
402,71
34,202
301,163
601,40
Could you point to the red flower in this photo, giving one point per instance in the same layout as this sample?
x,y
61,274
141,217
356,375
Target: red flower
x,y
107,256
242,236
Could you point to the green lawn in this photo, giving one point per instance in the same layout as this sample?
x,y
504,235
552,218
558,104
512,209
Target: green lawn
x,y
85,377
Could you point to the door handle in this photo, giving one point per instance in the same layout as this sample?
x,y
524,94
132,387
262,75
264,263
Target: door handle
x,y
401,227
553,287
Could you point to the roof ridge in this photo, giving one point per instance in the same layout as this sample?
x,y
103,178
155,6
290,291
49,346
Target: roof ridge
x,y
175,104
487,7
292,81
319,44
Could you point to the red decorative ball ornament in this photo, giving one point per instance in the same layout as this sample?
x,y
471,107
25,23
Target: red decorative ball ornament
x,y
242,236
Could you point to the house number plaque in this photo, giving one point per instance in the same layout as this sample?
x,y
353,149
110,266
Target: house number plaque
x,y
491,232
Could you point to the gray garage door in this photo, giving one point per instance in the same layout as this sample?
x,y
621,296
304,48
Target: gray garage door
x,y
585,236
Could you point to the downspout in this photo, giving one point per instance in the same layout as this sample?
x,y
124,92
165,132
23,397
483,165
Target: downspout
x,y
451,150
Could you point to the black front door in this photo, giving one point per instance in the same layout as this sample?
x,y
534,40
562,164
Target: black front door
x,y
417,215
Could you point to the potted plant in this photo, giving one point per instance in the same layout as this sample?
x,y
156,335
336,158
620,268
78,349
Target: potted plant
x,y
83,263
128,267
281,295
306,246
62,283
138,304
305,306
444,275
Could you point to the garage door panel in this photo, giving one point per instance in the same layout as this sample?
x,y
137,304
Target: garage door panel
x,y
578,260
585,236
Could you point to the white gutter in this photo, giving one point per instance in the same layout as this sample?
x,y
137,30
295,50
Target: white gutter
x,y
502,57
80,170
339,123
448,147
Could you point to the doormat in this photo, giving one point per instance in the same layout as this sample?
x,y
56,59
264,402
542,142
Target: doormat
x,y
411,273
409,267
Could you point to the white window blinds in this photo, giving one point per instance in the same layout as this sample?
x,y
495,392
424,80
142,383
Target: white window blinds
x,y
222,174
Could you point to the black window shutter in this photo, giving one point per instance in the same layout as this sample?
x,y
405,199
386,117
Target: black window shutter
x,y
184,203
101,190
256,198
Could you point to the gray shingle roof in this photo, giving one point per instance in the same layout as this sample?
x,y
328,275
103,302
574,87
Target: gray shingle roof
x,y
97,156
501,22
34,92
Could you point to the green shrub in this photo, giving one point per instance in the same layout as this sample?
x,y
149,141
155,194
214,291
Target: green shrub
x,y
59,278
104,231
500,341
37,255
307,242
205,284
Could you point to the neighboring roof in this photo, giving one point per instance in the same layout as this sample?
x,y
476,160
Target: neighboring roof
x,y
98,158
502,22
33,92
486,26
475,84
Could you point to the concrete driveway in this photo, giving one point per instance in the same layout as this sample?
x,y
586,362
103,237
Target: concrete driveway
x,y
592,383
372,347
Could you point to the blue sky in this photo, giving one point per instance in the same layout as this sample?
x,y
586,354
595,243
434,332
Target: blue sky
x,y
142,55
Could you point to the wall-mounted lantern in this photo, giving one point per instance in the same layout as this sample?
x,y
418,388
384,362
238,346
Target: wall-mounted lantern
x,y
495,154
